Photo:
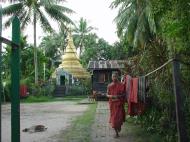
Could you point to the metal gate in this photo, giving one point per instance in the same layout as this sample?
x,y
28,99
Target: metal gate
x,y
15,77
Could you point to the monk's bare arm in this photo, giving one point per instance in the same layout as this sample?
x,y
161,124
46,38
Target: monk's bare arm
x,y
111,96
107,94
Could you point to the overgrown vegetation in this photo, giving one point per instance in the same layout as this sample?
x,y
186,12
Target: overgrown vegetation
x,y
157,30
138,134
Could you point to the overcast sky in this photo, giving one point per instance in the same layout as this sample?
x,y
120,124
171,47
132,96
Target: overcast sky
x,y
97,13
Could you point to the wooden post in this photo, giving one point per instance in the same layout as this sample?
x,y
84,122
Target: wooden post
x,y
0,65
182,134
15,82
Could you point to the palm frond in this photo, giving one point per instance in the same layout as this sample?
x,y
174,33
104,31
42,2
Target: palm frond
x,y
76,29
131,30
124,15
135,21
44,22
64,27
9,0
26,19
62,8
52,1
57,15
8,22
22,15
12,9
151,19
122,22
142,33
116,3
90,28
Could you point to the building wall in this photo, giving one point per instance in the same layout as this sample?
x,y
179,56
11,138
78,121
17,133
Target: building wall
x,y
101,79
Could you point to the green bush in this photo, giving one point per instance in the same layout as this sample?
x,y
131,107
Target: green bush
x,y
26,81
76,90
48,90
7,90
32,99
45,89
83,88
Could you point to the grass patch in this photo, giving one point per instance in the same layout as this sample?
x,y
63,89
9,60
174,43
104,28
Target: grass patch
x,y
80,130
139,134
38,99
74,98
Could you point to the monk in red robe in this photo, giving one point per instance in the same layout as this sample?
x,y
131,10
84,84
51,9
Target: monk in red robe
x,y
115,93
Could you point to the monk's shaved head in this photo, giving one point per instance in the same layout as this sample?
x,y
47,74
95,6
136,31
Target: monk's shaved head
x,y
115,76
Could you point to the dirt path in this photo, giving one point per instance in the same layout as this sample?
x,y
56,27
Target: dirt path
x,y
101,130
55,115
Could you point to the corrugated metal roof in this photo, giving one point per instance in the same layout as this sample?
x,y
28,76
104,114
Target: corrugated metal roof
x,y
109,64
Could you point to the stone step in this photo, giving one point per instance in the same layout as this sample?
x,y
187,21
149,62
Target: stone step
x,y
59,91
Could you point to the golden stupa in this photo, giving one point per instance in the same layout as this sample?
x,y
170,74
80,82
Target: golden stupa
x,y
70,61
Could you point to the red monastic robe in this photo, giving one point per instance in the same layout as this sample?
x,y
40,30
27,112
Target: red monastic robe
x,y
134,106
117,111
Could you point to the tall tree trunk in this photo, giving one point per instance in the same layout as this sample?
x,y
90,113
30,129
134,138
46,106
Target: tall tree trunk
x,y
44,67
35,52
81,45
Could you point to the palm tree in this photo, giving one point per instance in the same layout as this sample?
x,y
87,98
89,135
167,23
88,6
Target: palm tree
x,y
135,21
36,10
81,30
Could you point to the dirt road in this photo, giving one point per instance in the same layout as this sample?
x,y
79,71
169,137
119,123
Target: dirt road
x,y
57,116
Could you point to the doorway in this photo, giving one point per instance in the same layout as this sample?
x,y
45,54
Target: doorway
x,y
62,80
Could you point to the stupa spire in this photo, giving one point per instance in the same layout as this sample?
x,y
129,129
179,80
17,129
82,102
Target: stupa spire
x,y
70,61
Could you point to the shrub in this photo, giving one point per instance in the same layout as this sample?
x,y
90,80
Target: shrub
x,y
75,90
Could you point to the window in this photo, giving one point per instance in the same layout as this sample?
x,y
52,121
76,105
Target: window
x,y
101,78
